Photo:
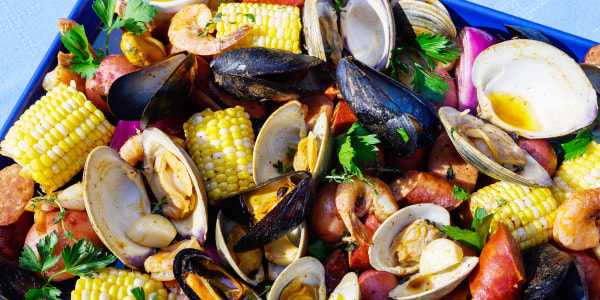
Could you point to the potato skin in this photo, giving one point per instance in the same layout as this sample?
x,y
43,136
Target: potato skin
x,y
376,285
111,67
323,218
542,151
75,221
500,273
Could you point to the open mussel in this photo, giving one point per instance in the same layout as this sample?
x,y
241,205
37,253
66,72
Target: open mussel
x,y
201,277
240,72
546,268
272,209
526,33
151,93
387,108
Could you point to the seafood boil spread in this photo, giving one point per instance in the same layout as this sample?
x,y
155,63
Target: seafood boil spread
x,y
304,149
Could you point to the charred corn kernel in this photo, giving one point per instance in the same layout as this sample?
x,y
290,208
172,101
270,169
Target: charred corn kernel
x,y
99,286
582,172
221,144
271,26
528,213
44,143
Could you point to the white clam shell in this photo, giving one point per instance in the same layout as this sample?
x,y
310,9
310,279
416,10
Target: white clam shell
x,y
347,289
309,269
559,96
114,198
380,254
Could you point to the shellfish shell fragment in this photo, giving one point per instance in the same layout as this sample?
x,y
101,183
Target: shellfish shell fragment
x,y
309,269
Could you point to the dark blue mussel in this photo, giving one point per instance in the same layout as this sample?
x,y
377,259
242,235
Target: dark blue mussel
x,y
200,277
255,73
526,33
291,195
546,268
386,108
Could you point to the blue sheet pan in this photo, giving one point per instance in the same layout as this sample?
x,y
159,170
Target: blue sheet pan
x,y
463,13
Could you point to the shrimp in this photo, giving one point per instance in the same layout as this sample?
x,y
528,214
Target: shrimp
x,y
575,224
357,198
188,31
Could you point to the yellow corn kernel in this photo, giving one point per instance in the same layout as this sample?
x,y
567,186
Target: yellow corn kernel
x,y
580,173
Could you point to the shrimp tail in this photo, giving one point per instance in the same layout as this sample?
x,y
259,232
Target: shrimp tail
x,y
356,228
233,37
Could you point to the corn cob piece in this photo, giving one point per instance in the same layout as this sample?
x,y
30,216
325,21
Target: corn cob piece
x,y
577,174
221,144
52,139
528,213
111,283
271,26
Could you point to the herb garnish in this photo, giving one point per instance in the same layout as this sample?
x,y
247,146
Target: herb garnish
x,y
338,5
159,204
431,48
460,193
320,249
450,174
250,17
475,238
577,146
404,135
76,42
140,294
80,259
216,19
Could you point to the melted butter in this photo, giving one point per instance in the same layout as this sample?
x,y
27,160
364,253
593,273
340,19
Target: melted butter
x,y
514,110
295,290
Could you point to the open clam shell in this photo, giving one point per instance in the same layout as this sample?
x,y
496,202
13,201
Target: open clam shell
x,y
151,93
157,144
532,174
381,256
309,269
194,268
285,216
347,289
115,196
414,17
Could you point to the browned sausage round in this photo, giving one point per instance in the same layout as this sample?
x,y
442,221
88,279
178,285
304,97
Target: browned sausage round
x,y
421,187
15,192
336,266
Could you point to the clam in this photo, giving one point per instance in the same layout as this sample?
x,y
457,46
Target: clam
x,y
532,89
200,277
281,134
386,108
273,209
414,17
382,254
366,27
115,197
242,73
348,288
503,158
308,273
151,93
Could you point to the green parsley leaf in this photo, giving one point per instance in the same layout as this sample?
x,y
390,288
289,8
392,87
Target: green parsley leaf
x,y
450,174
481,223
475,238
460,193
76,42
216,19
338,5
356,147
351,246
138,293
159,204
431,48
250,17
105,10
82,258
320,249
136,14
404,135
345,232
578,145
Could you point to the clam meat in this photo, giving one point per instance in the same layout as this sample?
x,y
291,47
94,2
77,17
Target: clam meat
x,y
303,278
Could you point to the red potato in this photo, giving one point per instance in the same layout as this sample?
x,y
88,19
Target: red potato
x,y
443,155
75,221
421,187
500,273
336,266
342,118
111,67
542,151
417,161
323,218
593,55
376,285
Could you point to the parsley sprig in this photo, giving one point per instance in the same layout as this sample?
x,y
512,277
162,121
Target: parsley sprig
x,y
80,259
216,19
460,193
577,146
431,48
76,42
475,238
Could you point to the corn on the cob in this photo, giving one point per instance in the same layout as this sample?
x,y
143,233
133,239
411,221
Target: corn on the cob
x,y
221,143
52,139
111,283
577,174
528,213
271,26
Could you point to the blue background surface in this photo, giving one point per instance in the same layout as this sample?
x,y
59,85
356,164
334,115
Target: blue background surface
x,y
28,27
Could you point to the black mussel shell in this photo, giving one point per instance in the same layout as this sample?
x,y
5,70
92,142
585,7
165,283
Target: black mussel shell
x,y
384,107
151,93
526,33
197,262
546,268
236,71
16,282
288,214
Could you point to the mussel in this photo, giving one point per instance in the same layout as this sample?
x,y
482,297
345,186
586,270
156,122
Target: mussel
x,y
151,93
273,209
546,268
526,33
387,108
201,277
238,71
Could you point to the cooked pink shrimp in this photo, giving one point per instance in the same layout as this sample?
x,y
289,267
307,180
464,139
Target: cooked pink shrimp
x,y
575,224
355,199
188,31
